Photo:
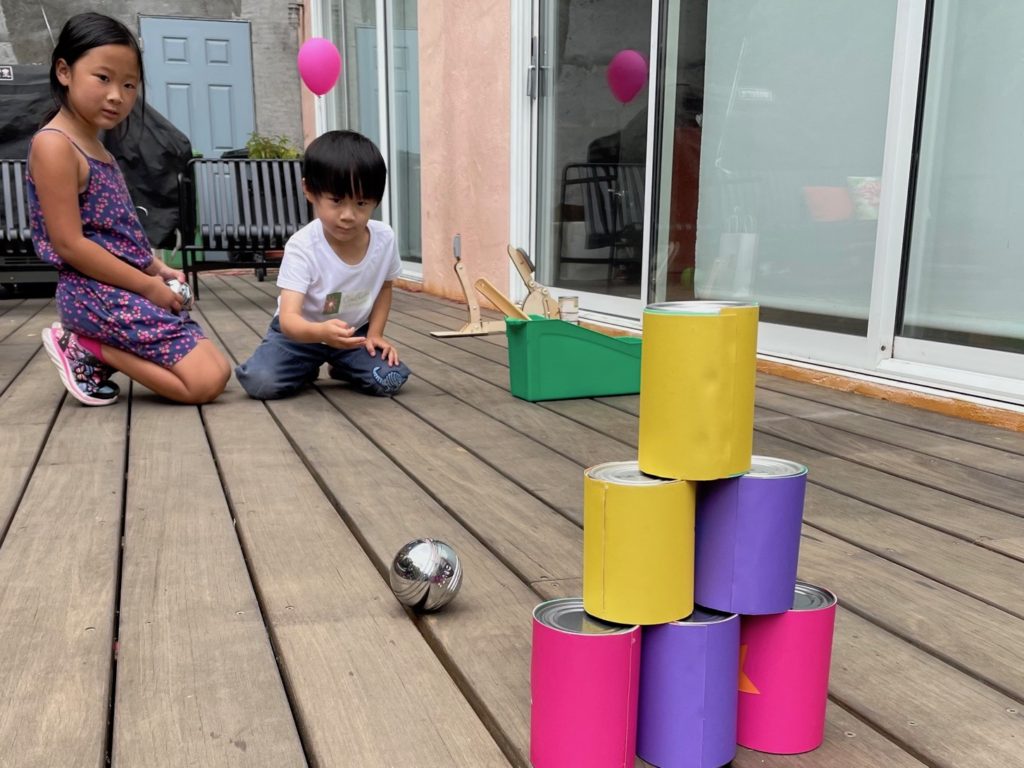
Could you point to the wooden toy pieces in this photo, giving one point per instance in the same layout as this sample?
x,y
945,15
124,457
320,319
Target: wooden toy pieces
x,y
538,301
475,326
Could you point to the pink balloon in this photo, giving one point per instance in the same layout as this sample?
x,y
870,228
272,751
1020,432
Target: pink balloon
x,y
627,75
319,64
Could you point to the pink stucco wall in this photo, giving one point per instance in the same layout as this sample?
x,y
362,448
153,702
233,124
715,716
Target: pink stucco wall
x,y
464,139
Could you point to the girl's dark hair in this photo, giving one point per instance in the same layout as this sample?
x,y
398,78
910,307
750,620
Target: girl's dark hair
x,y
344,164
81,34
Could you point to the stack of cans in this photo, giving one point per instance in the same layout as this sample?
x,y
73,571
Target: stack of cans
x,y
691,553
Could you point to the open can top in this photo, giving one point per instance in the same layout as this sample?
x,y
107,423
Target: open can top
x,y
767,467
807,597
566,614
696,307
624,473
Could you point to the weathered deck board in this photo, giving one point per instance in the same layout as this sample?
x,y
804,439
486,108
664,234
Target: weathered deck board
x,y
970,483
517,470
526,534
365,686
968,453
19,334
388,509
58,576
899,413
962,640
948,718
849,743
324,487
27,410
190,626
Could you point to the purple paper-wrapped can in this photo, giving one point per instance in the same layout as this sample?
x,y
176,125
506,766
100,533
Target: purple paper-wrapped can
x,y
748,538
688,695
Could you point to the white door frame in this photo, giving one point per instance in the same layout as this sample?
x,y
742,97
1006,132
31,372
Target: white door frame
x,y
944,367
865,353
525,126
325,107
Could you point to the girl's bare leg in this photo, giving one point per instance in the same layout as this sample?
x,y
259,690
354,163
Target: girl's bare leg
x,y
197,378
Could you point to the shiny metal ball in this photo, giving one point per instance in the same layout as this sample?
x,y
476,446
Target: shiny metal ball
x,y
183,290
425,574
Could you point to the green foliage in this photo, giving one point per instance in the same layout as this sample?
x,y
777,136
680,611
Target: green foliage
x,y
270,147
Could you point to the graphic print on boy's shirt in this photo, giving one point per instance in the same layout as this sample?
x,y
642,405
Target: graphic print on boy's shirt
x,y
346,302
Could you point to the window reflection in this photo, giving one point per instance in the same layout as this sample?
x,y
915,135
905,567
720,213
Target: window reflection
x,y
593,148
788,123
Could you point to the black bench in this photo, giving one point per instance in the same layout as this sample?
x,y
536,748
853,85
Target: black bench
x,y
609,199
244,208
18,261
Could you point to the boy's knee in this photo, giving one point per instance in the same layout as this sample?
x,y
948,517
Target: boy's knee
x,y
260,384
386,380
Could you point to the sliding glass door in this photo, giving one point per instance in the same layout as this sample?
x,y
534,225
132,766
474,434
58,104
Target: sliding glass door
x,y
772,139
963,278
590,69
379,97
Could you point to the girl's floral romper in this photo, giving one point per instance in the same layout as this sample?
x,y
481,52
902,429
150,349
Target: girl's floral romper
x,y
103,312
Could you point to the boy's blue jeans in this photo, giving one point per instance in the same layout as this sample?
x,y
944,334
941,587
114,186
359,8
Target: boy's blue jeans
x,y
280,367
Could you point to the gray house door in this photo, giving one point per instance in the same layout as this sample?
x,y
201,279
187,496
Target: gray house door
x,y
199,76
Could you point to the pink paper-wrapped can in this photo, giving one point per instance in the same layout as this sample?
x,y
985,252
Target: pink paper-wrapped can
x,y
584,679
783,683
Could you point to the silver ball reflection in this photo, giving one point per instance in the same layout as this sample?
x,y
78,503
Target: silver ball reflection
x,y
426,574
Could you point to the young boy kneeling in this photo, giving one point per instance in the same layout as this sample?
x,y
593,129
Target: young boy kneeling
x,y
335,280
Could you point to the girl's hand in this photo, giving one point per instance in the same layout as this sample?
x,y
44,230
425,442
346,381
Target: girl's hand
x,y
387,352
159,269
158,292
338,334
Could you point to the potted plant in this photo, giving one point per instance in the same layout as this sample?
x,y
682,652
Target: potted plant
x,y
264,147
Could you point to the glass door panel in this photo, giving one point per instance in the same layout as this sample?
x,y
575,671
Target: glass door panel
x,y
404,118
358,27
771,156
964,276
353,104
591,150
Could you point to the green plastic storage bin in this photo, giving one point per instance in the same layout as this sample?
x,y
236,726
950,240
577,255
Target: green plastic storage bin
x,y
555,360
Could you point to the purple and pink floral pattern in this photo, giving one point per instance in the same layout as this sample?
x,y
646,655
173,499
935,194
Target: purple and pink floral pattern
x,y
104,312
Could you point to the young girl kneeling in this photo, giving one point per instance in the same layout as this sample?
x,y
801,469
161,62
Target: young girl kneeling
x,y
116,310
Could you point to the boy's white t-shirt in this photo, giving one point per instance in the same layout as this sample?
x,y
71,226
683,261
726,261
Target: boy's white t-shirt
x,y
332,288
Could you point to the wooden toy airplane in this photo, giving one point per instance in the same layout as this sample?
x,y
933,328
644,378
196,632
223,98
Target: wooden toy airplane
x,y
538,301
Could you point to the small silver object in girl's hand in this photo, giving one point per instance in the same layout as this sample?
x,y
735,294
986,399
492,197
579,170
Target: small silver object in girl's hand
x,y
183,290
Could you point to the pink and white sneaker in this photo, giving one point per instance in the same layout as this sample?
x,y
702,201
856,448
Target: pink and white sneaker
x,y
78,368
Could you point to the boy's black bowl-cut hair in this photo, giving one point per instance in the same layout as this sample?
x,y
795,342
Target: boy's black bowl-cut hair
x,y
344,164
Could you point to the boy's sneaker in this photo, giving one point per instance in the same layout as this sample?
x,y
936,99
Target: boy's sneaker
x,y
78,368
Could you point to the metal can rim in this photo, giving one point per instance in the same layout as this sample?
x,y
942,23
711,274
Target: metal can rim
x,y
605,473
720,617
801,469
543,612
821,598
696,307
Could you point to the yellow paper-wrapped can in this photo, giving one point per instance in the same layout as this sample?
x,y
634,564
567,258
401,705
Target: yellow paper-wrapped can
x,y
638,534
697,376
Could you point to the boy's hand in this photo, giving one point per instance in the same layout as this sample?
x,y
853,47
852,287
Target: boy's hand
x,y
387,352
338,334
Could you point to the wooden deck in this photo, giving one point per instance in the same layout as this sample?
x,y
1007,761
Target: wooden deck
x,y
188,586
